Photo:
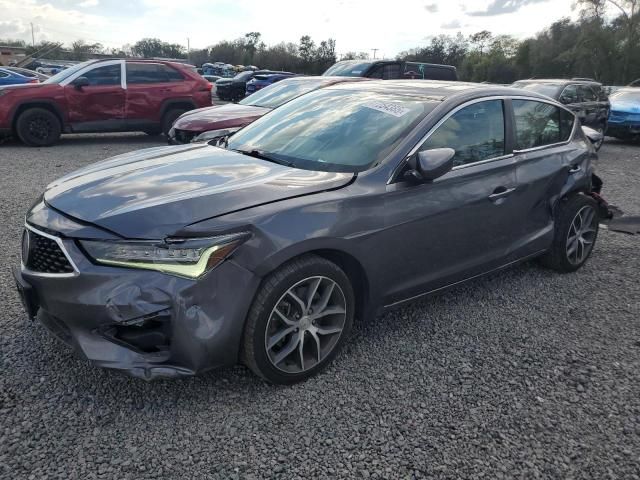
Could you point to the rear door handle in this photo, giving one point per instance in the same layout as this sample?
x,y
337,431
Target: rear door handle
x,y
575,169
501,192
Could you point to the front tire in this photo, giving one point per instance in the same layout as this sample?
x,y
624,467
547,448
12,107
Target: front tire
x,y
38,127
576,231
298,321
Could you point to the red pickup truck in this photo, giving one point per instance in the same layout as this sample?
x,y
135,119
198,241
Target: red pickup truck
x,y
102,96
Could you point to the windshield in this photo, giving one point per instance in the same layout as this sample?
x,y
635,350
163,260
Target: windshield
x,y
280,93
549,89
626,96
333,130
64,74
347,69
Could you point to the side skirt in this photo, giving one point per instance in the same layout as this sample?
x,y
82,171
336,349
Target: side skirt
x,y
452,285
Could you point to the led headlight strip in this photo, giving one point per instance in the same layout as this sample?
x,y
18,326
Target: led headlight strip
x,y
189,258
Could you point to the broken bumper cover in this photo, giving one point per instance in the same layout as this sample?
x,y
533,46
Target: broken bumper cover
x,y
147,324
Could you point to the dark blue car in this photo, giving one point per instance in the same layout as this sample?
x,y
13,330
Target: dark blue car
x,y
264,80
7,77
624,118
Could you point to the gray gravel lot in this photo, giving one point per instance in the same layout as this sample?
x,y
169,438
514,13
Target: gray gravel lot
x,y
524,374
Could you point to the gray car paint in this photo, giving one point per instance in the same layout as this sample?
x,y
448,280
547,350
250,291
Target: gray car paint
x,y
397,240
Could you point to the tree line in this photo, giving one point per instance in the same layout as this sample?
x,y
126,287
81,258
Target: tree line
x,y
595,45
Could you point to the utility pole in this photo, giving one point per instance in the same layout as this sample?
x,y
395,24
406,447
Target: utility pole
x,y
33,37
375,50
188,49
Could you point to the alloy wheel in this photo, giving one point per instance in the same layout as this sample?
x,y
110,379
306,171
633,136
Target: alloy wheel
x,y
305,325
582,235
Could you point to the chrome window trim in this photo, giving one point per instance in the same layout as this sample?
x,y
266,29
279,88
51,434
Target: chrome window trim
x,y
58,240
503,98
93,66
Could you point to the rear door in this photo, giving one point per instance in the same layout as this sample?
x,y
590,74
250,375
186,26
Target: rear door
x,y
149,87
98,106
545,161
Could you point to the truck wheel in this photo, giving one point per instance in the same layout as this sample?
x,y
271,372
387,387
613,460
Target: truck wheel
x,y
169,118
38,127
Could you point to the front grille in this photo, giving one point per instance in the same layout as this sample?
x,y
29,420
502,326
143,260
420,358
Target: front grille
x,y
44,255
184,136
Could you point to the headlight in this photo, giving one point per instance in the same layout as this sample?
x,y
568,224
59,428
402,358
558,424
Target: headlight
x,y
213,134
189,258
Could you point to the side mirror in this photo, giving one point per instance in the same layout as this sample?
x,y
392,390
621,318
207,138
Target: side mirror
x,y
567,100
80,82
432,164
594,136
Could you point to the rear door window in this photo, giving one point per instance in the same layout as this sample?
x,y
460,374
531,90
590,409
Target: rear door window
x,y
569,94
475,132
540,124
586,94
138,73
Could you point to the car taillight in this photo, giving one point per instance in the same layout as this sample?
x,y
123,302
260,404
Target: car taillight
x,y
34,80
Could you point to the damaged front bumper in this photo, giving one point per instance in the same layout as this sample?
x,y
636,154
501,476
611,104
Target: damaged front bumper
x,y
145,323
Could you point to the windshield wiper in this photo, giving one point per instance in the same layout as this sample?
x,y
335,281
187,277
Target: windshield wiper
x,y
262,155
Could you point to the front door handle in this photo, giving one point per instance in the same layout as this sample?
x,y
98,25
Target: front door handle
x,y
575,169
501,192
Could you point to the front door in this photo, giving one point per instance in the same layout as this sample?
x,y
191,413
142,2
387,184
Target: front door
x,y
463,223
100,105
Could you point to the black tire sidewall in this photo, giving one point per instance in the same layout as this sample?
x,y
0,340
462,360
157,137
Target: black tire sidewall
x,y
28,115
170,117
262,308
567,210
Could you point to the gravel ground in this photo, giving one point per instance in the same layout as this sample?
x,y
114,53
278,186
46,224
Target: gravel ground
x,y
525,374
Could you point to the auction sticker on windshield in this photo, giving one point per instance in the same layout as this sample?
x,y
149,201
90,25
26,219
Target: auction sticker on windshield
x,y
394,109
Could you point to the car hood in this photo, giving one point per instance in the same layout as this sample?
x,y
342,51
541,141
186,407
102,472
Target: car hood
x,y
625,106
152,193
221,116
40,87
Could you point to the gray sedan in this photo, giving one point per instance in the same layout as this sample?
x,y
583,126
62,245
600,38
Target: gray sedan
x,y
265,247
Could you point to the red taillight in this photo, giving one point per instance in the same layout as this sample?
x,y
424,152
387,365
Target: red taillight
x,y
34,80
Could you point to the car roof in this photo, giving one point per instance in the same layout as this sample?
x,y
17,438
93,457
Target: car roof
x,y
560,81
435,90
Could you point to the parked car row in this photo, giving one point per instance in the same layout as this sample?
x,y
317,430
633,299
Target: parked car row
x,y
39,115
236,88
340,198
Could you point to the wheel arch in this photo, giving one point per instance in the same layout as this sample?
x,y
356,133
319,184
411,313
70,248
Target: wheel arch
x,y
348,262
45,104
186,103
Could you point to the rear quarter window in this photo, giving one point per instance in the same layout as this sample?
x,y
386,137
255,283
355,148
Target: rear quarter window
x,y
540,124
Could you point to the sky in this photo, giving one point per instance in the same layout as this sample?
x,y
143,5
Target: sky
x,y
356,25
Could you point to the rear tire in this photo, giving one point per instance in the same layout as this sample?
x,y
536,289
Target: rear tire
x,y
575,234
285,341
169,118
38,127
